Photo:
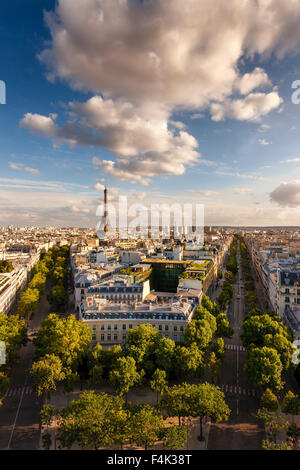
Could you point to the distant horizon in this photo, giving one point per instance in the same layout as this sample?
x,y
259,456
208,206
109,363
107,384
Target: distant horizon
x,y
293,227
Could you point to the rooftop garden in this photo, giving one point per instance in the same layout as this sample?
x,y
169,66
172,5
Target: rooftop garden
x,y
192,276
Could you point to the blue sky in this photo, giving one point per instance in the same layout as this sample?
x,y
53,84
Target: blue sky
x,y
243,167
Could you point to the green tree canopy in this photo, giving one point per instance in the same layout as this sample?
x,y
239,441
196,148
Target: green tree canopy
x,y
223,327
212,307
67,338
28,302
198,332
202,314
263,368
150,349
92,421
159,383
282,345
218,347
255,329
269,401
125,375
207,400
58,296
175,437
291,404
204,400
147,426
188,360
38,282
14,334
46,373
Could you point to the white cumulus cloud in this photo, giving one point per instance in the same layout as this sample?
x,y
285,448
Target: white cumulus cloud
x,y
149,59
287,194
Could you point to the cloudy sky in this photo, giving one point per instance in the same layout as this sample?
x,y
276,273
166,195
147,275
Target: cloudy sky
x,y
163,101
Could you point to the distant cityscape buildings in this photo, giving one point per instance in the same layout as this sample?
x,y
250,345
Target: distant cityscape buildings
x,y
118,284
275,256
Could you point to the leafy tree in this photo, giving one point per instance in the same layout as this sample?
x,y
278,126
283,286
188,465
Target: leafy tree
x,y
58,296
273,423
213,366
263,368
59,273
188,360
46,373
291,404
203,314
109,357
14,334
70,381
159,383
28,302
199,332
229,276
223,327
218,347
150,349
282,345
96,375
38,282
67,338
140,342
40,268
147,426
225,295
269,401
91,421
204,400
175,437
47,413
122,428
163,353
95,355
251,299
125,375
212,307
255,329
270,445
175,401
207,400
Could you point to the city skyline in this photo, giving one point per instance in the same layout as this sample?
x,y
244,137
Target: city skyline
x,y
201,116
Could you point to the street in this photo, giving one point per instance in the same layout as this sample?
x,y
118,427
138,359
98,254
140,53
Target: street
x,y
19,414
240,431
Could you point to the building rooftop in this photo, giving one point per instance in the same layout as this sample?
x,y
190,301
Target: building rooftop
x,y
107,310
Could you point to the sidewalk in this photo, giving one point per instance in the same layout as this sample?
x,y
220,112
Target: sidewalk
x,y
193,442
144,395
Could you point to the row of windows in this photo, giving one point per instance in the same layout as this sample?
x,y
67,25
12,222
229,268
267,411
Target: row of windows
x,y
130,326
287,291
296,301
116,298
116,337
